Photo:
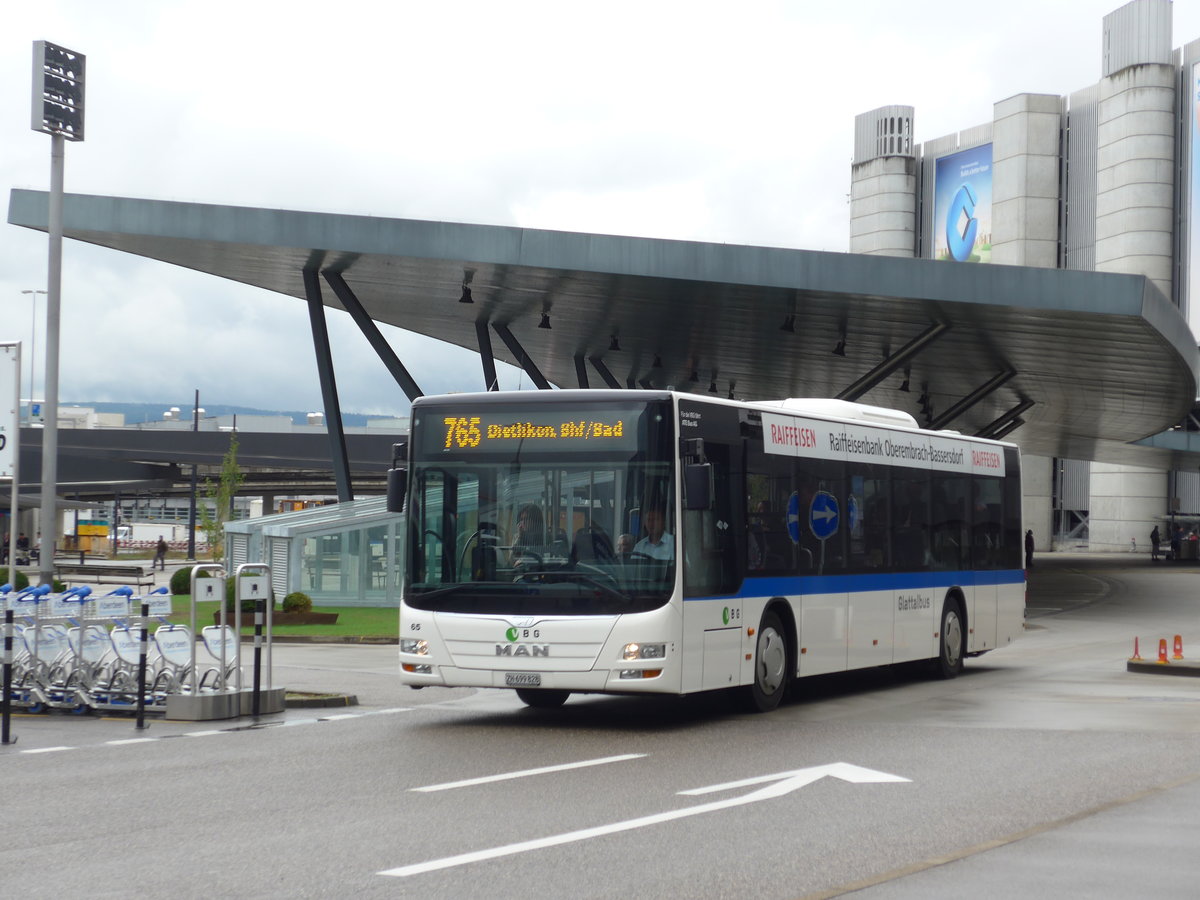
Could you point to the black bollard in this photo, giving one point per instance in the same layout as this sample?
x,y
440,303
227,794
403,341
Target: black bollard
x,y
6,701
141,681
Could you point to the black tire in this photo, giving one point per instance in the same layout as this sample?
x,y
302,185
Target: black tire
x,y
541,699
951,635
772,666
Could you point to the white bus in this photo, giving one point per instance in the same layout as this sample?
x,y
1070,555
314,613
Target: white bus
x,y
601,541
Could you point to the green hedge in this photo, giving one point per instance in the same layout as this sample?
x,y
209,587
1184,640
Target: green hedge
x,y
22,579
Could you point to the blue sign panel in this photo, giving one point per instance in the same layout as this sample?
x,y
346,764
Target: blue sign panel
x,y
823,515
793,518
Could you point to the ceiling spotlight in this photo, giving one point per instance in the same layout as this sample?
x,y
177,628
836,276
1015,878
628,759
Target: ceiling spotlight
x,y
904,384
466,294
789,324
612,344
545,323
840,349
657,362
712,386
695,377
924,401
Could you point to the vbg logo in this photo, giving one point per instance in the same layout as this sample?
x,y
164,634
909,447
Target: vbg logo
x,y
961,241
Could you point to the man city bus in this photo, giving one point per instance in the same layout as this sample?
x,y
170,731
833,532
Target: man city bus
x,y
599,541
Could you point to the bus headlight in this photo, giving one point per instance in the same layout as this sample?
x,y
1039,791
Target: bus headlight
x,y
411,645
644,651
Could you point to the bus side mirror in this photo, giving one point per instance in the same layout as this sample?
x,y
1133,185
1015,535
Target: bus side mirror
x,y
397,487
697,486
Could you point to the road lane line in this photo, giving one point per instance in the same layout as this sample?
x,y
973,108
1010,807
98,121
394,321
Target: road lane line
x,y
132,741
487,779
47,749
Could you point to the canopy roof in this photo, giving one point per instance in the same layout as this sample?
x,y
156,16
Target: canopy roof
x,y
1085,361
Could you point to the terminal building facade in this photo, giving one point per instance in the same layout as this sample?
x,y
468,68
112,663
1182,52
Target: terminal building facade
x,y
1103,179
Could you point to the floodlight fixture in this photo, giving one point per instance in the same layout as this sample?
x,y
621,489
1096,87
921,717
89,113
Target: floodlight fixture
x,y
58,88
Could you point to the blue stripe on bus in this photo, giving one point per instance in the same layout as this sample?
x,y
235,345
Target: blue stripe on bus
x,y
782,585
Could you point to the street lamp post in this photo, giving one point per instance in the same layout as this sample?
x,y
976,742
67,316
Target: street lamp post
x,y
32,352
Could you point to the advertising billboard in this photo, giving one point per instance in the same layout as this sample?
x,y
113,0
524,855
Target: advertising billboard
x,y
962,206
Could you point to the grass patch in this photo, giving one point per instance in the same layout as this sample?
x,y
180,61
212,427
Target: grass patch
x,y
353,621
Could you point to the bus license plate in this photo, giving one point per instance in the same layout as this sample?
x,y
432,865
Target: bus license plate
x,y
522,679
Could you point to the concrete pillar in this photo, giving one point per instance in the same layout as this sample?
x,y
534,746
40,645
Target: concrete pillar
x,y
1135,173
1026,140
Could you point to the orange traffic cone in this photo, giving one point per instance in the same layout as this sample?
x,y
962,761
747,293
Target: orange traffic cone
x,y
1137,657
1162,652
1178,647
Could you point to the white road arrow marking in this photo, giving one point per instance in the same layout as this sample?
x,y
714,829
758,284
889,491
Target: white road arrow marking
x,y
784,783
797,778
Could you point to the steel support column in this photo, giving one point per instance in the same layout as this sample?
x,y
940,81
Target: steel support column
x,y
999,426
609,378
581,371
490,379
514,347
371,332
971,399
894,362
333,410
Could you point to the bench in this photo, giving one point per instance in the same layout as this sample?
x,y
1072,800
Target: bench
x,y
101,573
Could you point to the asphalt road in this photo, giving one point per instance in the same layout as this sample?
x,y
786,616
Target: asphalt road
x,y
1046,770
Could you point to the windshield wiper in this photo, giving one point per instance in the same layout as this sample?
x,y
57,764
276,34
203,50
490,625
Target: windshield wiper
x,y
551,576
456,588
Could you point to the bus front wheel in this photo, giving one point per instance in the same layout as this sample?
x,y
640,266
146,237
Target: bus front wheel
x,y
771,674
949,661
540,699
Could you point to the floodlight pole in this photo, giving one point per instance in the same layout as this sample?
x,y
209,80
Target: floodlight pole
x,y
57,109
49,513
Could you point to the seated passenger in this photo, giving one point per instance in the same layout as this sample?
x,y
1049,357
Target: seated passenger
x,y
530,539
625,544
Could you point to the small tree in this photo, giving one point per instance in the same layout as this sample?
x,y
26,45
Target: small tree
x,y
222,494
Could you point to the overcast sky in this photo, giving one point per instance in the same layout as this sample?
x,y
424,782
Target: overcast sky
x,y
698,121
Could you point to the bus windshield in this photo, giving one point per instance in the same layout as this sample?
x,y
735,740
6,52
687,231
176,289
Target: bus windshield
x,y
518,510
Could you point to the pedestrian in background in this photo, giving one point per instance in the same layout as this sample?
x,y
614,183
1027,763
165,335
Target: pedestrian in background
x,y
1155,540
1029,549
160,554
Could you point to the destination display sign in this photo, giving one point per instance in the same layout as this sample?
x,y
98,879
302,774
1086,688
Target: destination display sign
x,y
852,442
466,431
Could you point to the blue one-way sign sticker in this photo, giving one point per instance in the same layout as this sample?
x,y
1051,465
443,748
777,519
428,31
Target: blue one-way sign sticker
x,y
823,515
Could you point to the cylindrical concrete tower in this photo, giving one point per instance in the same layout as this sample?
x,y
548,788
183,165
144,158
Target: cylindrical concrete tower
x,y
1135,146
883,183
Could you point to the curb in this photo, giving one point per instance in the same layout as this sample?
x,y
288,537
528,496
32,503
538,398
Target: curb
x,y
302,700
1187,669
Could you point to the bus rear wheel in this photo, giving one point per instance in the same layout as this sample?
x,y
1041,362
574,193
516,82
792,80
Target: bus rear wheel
x,y
949,662
539,699
771,675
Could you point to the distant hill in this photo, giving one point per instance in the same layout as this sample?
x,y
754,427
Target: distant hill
x,y
136,413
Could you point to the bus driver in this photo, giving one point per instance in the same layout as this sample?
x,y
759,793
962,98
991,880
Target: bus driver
x,y
657,544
